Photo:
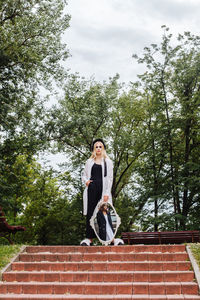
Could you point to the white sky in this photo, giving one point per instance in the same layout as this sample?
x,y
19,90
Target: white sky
x,y
104,34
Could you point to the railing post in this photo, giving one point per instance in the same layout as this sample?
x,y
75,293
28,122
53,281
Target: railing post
x,y
128,238
159,237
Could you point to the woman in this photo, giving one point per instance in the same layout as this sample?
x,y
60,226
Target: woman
x,y
106,231
97,178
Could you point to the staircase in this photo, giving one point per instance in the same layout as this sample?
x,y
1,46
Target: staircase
x,y
101,272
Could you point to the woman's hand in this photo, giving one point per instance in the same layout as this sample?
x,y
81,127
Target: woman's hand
x,y
105,198
88,182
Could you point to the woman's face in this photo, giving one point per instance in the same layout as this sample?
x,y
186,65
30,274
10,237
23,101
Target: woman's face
x,y
98,147
105,207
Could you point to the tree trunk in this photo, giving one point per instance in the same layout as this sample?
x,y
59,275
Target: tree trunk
x,y
174,183
186,175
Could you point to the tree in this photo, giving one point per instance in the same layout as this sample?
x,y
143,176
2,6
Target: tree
x,y
151,128
172,86
91,110
31,55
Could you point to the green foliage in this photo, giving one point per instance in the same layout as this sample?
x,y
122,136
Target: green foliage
x,y
31,47
41,201
81,115
30,57
151,129
91,110
169,167
128,211
30,54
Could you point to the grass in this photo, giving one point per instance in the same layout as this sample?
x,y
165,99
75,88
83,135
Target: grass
x,y
195,248
7,252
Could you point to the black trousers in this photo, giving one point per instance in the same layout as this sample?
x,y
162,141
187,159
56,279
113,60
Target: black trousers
x,y
94,195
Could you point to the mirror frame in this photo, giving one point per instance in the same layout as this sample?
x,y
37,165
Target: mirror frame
x,y
118,219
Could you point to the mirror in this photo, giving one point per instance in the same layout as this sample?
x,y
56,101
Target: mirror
x,y
105,222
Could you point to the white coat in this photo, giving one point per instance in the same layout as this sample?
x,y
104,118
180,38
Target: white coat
x,y
107,181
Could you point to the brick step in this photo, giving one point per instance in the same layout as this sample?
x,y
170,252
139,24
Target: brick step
x,y
109,276
159,256
102,266
103,249
101,297
112,288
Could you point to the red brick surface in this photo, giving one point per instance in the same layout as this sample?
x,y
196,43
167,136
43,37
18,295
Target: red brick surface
x,y
137,272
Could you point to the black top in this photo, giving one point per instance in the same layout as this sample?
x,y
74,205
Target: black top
x,y
96,173
102,224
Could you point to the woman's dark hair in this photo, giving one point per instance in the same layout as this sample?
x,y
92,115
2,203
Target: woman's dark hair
x,y
102,206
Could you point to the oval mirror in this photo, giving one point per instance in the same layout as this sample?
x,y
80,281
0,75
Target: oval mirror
x,y
105,222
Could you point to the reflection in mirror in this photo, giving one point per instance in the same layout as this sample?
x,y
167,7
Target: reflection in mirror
x,y
105,222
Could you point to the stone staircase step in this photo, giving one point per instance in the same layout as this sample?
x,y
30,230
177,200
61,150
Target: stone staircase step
x,y
100,249
110,288
159,256
102,266
153,272
108,276
101,297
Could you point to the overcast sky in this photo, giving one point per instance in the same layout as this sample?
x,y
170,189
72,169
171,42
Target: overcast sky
x,y
104,34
